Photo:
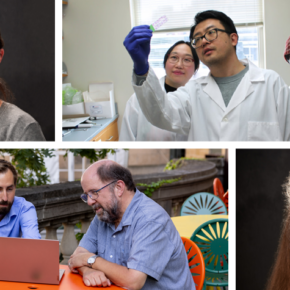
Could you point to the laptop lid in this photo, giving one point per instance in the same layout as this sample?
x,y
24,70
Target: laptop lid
x,y
28,260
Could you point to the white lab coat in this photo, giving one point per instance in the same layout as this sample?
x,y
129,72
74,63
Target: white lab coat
x,y
259,109
135,126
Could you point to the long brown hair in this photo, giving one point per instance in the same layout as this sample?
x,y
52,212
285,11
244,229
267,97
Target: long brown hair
x,y
1,41
5,92
280,276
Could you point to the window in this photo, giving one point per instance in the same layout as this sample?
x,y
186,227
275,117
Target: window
x,y
248,47
247,16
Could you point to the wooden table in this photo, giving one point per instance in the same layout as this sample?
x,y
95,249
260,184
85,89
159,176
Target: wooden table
x,y
69,281
186,225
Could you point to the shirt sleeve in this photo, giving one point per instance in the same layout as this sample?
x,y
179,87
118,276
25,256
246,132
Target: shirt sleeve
x,y
171,112
151,250
90,238
28,222
32,133
283,108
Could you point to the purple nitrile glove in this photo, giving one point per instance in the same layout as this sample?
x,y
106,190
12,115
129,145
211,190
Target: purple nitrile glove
x,y
137,42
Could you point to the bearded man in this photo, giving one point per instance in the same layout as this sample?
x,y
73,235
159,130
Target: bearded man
x,y
17,216
132,241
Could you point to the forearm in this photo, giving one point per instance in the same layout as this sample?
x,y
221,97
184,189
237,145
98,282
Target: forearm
x,y
119,275
163,111
82,270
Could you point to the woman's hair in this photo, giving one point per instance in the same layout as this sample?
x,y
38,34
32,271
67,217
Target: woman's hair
x,y
114,171
5,92
195,57
280,276
1,41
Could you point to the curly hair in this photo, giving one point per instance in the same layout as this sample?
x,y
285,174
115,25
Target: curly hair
x,y
1,41
280,278
5,93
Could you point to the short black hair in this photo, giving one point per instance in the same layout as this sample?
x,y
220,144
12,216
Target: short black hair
x,y
195,57
225,20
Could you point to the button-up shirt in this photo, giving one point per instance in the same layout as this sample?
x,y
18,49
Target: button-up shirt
x,y
21,221
145,240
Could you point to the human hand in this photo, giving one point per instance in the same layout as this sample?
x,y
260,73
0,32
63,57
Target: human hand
x,y
78,260
93,277
137,43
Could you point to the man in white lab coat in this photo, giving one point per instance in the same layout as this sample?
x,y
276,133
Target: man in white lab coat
x,y
237,101
180,64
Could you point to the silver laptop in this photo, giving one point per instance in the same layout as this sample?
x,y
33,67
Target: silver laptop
x,y
31,261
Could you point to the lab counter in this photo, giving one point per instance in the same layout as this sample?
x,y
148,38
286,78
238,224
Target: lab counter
x,y
103,130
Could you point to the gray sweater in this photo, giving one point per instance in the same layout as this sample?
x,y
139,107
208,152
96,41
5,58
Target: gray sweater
x,y
16,125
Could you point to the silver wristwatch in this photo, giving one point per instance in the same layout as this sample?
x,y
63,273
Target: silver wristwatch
x,y
92,260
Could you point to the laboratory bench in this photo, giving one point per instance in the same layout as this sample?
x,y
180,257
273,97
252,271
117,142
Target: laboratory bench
x,y
105,130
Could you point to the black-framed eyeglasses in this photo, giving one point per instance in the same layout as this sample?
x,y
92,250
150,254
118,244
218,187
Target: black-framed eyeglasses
x,y
93,194
210,35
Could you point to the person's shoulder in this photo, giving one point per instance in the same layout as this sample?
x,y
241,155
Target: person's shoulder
x,y
17,114
149,210
22,203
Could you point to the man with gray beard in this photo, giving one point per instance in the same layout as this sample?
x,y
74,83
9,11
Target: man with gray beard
x,y
132,241
15,124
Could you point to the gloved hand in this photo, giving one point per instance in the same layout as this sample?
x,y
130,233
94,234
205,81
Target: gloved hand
x,y
137,42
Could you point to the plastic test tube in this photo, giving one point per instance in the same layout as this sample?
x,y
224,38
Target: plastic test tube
x,y
158,23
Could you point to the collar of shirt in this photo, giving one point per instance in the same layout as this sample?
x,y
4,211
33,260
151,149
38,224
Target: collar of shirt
x,y
130,211
14,211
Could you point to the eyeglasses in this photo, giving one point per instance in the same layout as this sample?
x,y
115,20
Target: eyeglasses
x,y
187,61
209,36
93,194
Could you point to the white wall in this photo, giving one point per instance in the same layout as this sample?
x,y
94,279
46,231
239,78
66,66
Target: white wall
x,y
94,31
277,31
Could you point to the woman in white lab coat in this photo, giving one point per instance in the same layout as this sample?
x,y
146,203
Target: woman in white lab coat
x,y
180,63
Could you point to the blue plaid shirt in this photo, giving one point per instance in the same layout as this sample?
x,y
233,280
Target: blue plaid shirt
x,y
21,221
145,240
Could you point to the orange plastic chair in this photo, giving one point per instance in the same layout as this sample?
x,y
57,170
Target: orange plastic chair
x,y
195,262
226,200
218,188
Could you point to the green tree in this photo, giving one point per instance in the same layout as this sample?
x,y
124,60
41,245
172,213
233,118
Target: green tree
x,y
30,164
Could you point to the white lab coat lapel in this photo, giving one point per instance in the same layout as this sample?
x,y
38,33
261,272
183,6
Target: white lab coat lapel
x,y
244,89
211,88
246,86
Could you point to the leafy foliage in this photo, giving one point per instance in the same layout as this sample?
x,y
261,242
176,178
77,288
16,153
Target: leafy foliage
x,y
30,165
174,164
93,154
150,188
